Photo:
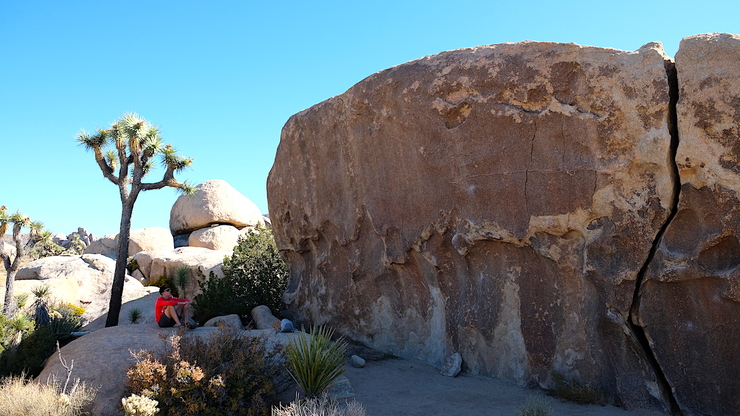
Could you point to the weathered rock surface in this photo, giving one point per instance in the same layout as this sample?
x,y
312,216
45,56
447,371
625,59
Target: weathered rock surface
x,y
263,318
82,280
154,264
690,300
233,321
220,237
145,239
214,202
102,357
497,201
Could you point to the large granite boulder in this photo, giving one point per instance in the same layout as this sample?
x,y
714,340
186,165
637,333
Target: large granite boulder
x,y
690,300
214,202
81,280
496,201
145,239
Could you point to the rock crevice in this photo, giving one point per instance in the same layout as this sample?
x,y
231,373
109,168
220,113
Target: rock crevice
x,y
633,320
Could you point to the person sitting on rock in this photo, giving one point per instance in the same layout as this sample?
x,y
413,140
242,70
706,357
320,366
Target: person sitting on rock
x,y
170,310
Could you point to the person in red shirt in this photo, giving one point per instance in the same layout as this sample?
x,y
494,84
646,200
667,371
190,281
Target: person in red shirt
x,y
170,310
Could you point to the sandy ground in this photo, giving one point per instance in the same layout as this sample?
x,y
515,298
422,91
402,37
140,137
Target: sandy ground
x,y
393,387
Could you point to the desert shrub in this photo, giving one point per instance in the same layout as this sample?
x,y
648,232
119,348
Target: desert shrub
x,y
27,344
20,396
254,275
30,355
132,265
319,407
135,405
229,374
534,406
575,391
315,361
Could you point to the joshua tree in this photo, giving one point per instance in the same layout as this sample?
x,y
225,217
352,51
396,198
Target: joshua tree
x,y
135,142
12,262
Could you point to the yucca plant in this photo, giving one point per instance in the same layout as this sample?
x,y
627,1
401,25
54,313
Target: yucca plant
x,y
134,315
315,361
182,279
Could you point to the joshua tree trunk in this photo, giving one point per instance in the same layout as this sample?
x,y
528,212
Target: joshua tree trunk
x,y
119,276
9,306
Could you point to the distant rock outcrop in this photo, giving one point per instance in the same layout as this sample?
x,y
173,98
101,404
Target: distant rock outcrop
x,y
81,280
504,202
145,239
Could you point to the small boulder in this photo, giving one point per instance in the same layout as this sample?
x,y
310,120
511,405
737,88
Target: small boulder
x,y
452,365
154,264
357,361
264,319
232,321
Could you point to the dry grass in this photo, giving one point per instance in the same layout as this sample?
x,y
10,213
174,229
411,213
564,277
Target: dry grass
x,y
319,407
20,397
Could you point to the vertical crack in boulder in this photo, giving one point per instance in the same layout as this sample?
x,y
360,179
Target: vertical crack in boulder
x,y
633,322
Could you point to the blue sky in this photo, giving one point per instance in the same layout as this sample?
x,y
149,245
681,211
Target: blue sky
x,y
221,78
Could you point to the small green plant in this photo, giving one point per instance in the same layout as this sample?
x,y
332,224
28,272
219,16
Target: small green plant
x,y
575,391
534,406
319,407
254,275
132,265
315,361
182,279
21,299
134,315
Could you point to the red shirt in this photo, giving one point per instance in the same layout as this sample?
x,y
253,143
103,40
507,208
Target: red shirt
x,y
161,304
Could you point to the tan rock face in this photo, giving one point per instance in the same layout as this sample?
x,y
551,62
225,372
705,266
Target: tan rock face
x,y
154,264
145,239
690,301
214,202
497,201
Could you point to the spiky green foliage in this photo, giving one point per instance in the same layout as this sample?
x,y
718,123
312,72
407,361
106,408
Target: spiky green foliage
x,y
315,361
254,275
134,315
183,279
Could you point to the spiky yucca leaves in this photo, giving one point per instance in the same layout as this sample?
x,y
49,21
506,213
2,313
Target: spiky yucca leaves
x,y
124,153
183,279
315,361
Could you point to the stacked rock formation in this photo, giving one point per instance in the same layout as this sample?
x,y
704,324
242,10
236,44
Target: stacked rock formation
x,y
505,202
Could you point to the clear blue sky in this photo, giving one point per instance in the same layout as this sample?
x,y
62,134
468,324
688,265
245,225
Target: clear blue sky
x,y
221,78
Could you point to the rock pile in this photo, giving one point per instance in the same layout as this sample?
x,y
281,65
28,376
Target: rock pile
x,y
505,202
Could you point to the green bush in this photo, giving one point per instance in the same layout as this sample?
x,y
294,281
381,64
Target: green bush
x,y
254,275
29,356
229,374
315,361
